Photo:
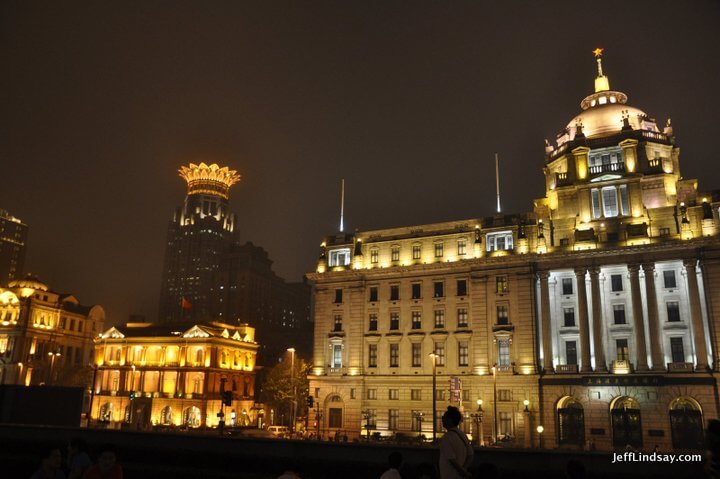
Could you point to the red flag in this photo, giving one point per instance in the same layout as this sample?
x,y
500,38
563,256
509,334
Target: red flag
x,y
186,304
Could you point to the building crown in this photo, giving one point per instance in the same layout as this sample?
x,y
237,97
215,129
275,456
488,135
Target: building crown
x,y
209,179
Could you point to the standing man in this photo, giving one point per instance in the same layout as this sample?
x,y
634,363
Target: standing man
x,y
456,453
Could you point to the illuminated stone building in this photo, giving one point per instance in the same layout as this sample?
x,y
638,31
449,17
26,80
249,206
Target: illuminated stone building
x,y
13,236
173,374
210,275
45,337
591,316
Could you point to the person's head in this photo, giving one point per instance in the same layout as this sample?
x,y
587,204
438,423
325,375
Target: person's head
x,y
395,459
452,417
107,457
77,445
51,457
575,469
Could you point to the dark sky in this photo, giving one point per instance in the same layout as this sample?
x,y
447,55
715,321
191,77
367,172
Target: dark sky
x,y
101,102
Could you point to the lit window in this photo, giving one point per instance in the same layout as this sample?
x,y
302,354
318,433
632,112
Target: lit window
x,y
416,251
440,354
462,317
503,352
462,353
374,256
340,257
439,318
501,284
439,250
372,355
609,197
461,246
394,321
394,355
502,240
395,253
372,326
502,314
416,320
337,356
416,355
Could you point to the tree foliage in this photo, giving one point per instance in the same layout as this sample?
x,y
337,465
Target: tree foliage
x,y
277,388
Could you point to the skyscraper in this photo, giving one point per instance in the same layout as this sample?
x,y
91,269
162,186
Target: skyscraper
x,y
13,236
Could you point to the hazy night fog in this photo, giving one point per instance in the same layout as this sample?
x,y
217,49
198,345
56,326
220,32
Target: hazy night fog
x,y
101,102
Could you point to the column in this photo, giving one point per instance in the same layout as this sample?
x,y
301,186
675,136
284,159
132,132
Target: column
x,y
637,308
585,366
546,321
696,313
598,321
656,339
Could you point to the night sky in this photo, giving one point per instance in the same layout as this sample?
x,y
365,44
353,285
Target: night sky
x,y
101,102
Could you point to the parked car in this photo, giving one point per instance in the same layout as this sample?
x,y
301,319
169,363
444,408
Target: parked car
x,y
279,431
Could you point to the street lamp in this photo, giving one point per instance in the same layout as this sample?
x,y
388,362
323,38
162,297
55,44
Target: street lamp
x,y
434,394
292,381
528,432
367,415
495,418
52,355
419,416
478,417
540,430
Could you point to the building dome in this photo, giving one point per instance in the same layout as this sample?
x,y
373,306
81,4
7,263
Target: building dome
x,y
29,281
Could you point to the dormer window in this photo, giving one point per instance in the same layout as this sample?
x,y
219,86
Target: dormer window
x,y
606,160
502,240
339,257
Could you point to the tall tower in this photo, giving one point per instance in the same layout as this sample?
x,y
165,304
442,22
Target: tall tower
x,y
200,234
13,236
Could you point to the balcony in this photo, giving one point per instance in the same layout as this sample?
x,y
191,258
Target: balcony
x,y
680,367
566,369
561,179
509,369
607,168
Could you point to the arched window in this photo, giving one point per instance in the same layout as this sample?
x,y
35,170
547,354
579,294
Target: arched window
x,y
192,417
626,422
686,424
106,412
199,356
571,422
166,416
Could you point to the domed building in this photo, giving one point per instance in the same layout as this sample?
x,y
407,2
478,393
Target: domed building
x,y
590,316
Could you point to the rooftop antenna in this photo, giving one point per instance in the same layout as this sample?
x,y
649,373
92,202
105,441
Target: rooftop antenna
x,y
497,180
342,204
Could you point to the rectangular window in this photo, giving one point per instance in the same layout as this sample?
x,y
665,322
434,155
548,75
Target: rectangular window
x,y
505,424
502,314
673,311
372,393
417,420
619,313
462,287
374,253
72,324
622,349
373,294
664,231
462,317
677,350
438,289
616,283
440,394
394,355
416,355
440,352
394,292
337,356
416,251
372,355
569,316
393,394
624,202
339,257
372,325
393,419
352,393
335,417
338,296
462,353
395,253
394,321
504,395
416,320
503,352
609,197
462,244
465,394
501,284
669,279
439,250
571,352
338,323
567,286
439,318
416,290
499,241
416,394
595,196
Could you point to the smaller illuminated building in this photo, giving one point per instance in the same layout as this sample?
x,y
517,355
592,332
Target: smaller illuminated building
x,y
174,374
45,337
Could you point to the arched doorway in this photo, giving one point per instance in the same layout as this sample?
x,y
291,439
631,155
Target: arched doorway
x,y
686,424
166,416
192,417
626,422
334,408
571,422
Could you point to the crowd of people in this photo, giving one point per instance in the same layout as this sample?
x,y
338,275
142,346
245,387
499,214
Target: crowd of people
x,y
77,464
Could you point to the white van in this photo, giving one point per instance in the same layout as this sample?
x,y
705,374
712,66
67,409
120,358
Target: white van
x,y
279,431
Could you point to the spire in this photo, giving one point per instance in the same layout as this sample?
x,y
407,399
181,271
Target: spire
x,y
497,181
602,83
342,205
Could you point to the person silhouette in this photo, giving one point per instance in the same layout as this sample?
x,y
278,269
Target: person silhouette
x,y
456,453
394,463
50,467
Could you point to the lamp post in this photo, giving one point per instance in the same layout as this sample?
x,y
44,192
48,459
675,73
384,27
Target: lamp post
x,y
540,430
419,417
478,417
367,415
528,431
434,357
495,426
52,355
292,381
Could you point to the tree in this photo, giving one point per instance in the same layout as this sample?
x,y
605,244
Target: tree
x,y
277,389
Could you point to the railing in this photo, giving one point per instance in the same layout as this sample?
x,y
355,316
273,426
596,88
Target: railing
x,y
336,370
566,368
510,369
680,367
654,135
561,179
605,168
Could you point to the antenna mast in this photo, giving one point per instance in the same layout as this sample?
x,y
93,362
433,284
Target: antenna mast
x,y
497,180
342,204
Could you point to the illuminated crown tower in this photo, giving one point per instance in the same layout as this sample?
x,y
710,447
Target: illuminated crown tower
x,y
201,232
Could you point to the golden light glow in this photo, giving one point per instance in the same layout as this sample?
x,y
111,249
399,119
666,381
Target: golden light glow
x,y
209,179
598,52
